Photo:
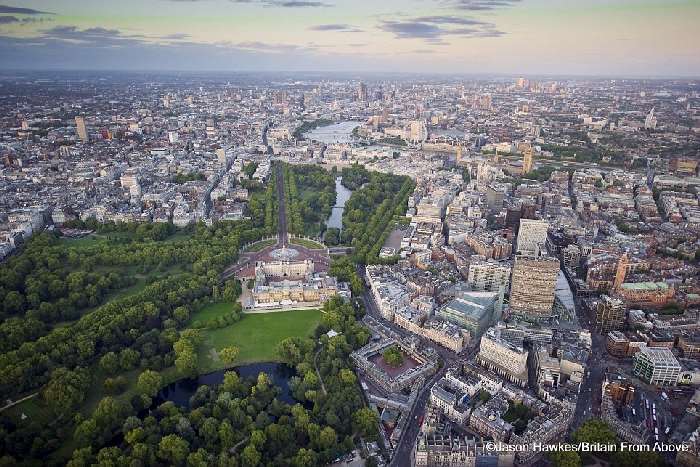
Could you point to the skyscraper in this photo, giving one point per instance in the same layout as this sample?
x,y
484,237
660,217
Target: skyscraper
x,y
609,314
418,131
532,237
362,92
650,121
621,271
527,160
80,128
533,285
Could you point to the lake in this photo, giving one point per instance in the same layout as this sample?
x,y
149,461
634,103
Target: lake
x,y
336,133
180,391
342,195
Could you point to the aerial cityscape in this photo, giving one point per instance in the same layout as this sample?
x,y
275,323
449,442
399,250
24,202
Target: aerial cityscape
x,y
427,247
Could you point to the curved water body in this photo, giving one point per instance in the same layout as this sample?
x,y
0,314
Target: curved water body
x,y
342,195
180,391
335,133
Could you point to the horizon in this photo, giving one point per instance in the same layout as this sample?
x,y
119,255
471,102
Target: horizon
x,y
608,39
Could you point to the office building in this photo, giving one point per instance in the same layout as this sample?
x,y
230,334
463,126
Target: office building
x,y
504,357
362,92
656,365
418,131
494,198
489,275
81,129
609,314
532,236
437,450
527,160
473,311
533,286
650,120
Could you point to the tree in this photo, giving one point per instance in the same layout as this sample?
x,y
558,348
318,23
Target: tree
x,y
305,458
109,363
186,363
226,435
290,351
13,303
109,413
66,389
393,356
149,383
365,422
229,354
231,382
565,459
328,438
250,456
128,358
173,449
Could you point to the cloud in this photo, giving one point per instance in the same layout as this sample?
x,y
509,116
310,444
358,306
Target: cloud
x,y
95,37
269,47
285,3
481,5
335,27
176,36
72,48
434,29
21,11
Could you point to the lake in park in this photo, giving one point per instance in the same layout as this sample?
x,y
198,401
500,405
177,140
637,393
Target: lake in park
x,y
342,195
180,391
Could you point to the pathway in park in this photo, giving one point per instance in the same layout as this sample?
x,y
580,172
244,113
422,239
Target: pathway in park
x,y
282,220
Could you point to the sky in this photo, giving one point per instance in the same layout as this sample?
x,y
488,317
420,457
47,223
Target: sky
x,y
616,38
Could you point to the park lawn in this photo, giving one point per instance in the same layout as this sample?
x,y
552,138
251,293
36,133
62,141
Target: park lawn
x,y
310,244
256,336
212,311
257,246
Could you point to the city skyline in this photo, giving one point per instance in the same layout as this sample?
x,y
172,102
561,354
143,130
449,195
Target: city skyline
x,y
601,38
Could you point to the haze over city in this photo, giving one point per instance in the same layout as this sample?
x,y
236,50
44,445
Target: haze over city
x,y
553,37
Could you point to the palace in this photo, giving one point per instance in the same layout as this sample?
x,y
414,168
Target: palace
x,y
283,283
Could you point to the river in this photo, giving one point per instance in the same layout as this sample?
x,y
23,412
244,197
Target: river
x,y
340,132
342,194
182,390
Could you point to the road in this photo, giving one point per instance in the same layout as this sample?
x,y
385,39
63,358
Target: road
x,y
282,217
404,448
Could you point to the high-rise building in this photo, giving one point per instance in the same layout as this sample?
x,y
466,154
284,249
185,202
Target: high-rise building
x,y
473,311
527,160
621,272
532,236
80,128
458,157
418,131
221,156
362,92
650,121
489,275
504,357
494,198
609,314
656,365
532,286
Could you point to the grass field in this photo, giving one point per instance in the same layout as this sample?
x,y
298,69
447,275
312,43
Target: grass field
x,y
257,246
256,336
310,244
211,311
